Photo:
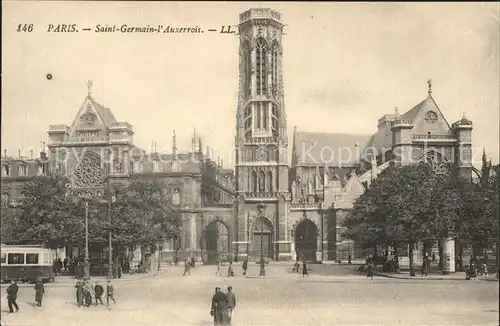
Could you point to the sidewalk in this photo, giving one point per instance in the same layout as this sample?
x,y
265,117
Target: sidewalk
x,y
458,276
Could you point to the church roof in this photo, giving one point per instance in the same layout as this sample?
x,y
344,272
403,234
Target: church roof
x,y
106,113
334,149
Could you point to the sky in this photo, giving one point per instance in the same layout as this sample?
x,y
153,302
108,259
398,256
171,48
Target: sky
x,y
344,66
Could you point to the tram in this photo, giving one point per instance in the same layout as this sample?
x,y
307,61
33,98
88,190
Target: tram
x,y
26,263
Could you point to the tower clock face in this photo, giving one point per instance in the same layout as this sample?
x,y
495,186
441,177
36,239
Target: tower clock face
x,y
431,117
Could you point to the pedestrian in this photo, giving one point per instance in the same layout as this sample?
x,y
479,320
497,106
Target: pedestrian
x,y
296,266
109,293
218,267
12,296
187,267
304,269
369,265
80,293
230,272
218,309
98,291
245,267
39,291
230,303
89,289
65,264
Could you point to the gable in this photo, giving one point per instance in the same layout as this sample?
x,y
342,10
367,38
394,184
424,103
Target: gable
x,y
353,188
92,119
428,118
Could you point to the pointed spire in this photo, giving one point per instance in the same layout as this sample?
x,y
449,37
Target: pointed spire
x,y
429,83
89,87
200,146
174,144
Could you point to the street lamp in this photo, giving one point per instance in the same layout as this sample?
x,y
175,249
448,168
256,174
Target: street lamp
x,y
262,262
86,266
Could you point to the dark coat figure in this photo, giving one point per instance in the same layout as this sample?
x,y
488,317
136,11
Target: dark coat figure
x,y
12,296
230,303
109,293
187,267
219,308
39,292
98,291
80,293
230,272
65,264
245,267
88,299
369,266
304,269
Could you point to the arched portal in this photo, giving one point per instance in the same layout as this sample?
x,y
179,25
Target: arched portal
x,y
262,243
306,240
217,242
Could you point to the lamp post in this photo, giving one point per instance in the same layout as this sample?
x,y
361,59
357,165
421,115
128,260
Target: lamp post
x,y
86,265
262,262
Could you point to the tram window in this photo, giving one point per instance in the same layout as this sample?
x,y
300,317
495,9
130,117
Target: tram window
x,y
3,258
15,259
31,258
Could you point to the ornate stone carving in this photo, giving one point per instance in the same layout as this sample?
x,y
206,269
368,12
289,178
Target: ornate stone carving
x,y
89,173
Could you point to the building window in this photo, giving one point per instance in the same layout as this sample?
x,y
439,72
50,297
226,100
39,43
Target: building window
x,y
15,259
270,181
117,166
176,196
156,166
41,169
32,259
274,68
247,61
5,170
261,66
274,119
248,121
22,170
254,181
88,172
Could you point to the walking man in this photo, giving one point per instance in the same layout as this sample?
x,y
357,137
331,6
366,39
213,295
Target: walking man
x,y
99,291
12,296
304,269
218,267
80,293
39,292
230,272
187,267
245,267
218,309
230,303
109,293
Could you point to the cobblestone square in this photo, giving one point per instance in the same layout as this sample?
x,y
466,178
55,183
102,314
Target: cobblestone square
x,y
281,298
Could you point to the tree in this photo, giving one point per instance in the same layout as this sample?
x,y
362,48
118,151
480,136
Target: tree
x,y
143,214
47,214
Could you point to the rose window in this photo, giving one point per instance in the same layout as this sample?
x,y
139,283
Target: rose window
x,y
88,172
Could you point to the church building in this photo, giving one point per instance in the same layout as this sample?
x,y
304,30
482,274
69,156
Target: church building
x,y
267,206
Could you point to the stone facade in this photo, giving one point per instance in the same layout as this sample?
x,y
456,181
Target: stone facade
x,y
266,207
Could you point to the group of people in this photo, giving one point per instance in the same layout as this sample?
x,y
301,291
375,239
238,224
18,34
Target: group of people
x,y
13,290
86,292
223,305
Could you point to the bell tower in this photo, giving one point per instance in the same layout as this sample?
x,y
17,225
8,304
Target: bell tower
x,y
261,135
261,139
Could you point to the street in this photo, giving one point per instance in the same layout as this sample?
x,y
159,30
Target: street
x,y
281,298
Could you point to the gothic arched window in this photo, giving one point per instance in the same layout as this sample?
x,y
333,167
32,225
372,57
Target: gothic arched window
x,y
274,68
6,170
89,172
274,120
248,121
254,181
261,67
270,181
176,196
262,181
437,162
247,61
